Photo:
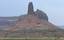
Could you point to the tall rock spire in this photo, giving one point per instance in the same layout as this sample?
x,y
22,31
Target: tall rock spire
x,y
30,8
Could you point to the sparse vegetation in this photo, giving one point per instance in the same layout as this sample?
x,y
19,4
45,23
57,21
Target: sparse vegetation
x,y
43,38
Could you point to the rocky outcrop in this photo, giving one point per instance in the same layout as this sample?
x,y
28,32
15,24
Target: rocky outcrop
x,y
34,20
30,9
40,14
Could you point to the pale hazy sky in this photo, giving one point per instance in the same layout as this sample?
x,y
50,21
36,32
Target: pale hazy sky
x,y
53,8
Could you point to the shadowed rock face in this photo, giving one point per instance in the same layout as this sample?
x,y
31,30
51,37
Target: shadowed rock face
x,y
40,14
30,9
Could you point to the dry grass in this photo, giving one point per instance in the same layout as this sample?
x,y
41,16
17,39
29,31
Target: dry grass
x,y
43,38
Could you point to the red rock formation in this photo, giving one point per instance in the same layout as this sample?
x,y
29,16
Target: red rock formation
x,y
31,20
